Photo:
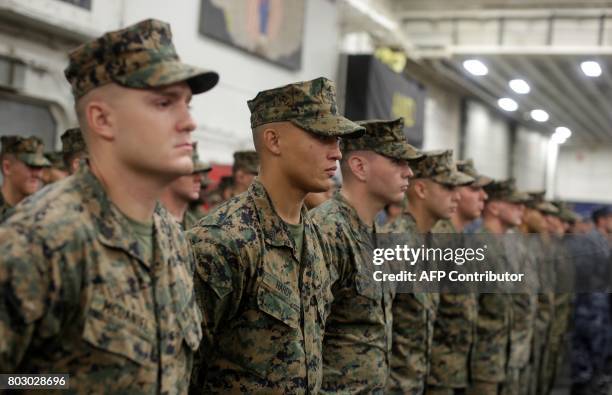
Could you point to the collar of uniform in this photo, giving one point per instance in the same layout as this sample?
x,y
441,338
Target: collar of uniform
x,y
275,231
112,227
3,201
355,222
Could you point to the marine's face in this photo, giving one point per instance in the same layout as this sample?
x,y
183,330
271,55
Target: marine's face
x,y
310,160
243,179
153,130
187,188
53,174
388,178
24,179
511,214
442,200
471,202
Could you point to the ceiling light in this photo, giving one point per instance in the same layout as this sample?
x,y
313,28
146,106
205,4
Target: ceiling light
x,y
557,139
507,104
476,67
591,68
539,115
563,132
519,86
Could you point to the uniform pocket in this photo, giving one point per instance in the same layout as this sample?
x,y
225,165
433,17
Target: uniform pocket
x,y
190,321
279,301
112,327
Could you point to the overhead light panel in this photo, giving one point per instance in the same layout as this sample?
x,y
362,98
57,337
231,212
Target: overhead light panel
x,y
519,86
475,67
591,68
539,115
563,132
507,104
555,138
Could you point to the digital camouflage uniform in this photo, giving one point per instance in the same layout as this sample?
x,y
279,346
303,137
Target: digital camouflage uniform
x,y
543,254
73,146
78,297
414,314
29,150
77,294
357,343
493,348
193,213
264,302
453,333
5,209
247,161
73,142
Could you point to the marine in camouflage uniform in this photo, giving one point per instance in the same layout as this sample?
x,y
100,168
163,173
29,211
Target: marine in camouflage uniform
x,y
244,170
523,311
80,293
181,192
557,255
414,314
29,151
194,212
74,149
493,350
453,333
543,253
358,333
263,284
57,170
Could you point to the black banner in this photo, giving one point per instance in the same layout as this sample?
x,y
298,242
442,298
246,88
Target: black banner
x,y
374,91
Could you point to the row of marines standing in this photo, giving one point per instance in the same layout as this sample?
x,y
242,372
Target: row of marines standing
x,y
100,281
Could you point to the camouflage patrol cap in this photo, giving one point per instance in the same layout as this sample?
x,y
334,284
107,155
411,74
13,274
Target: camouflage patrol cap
x,y
73,142
383,137
56,159
247,160
506,191
538,202
439,166
565,212
467,167
310,105
547,208
29,150
140,56
198,165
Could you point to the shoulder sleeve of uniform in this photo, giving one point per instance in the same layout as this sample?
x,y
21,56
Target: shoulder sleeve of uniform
x,y
28,285
221,272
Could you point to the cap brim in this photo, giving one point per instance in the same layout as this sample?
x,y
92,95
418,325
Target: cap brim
x,y
518,198
400,150
34,160
167,73
330,125
455,179
482,181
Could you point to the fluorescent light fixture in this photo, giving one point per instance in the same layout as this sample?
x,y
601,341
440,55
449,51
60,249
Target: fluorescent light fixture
x,y
563,132
557,139
365,8
539,115
519,86
476,67
507,104
591,68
